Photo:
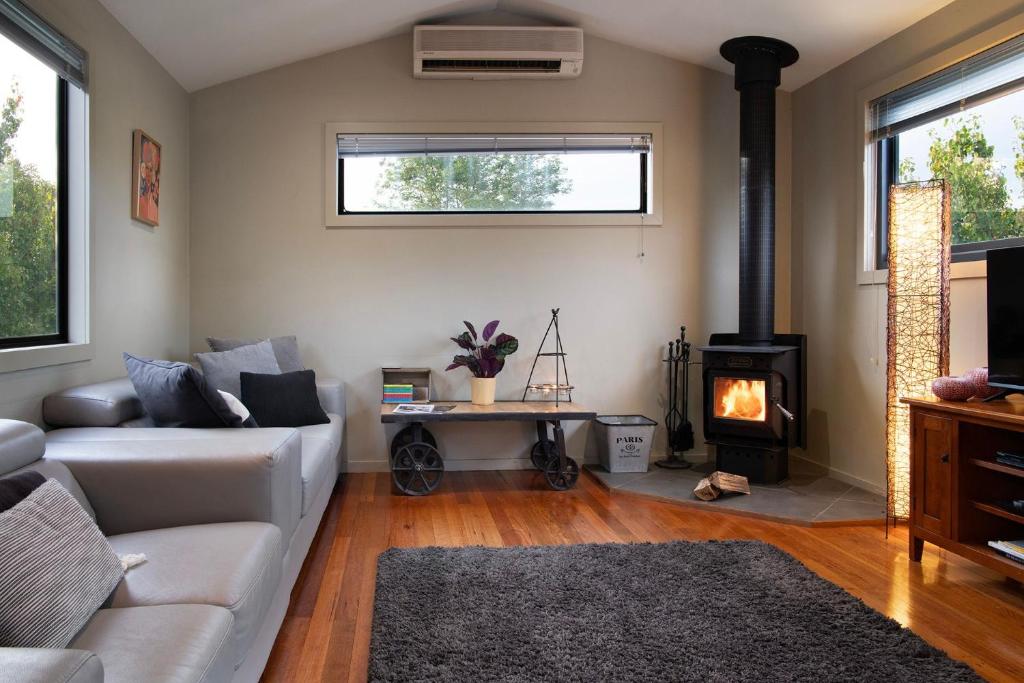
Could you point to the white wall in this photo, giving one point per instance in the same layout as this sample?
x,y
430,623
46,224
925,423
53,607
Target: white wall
x,y
139,274
845,321
263,264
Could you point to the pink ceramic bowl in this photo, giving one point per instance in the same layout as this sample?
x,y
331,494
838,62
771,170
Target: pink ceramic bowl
x,y
953,388
978,377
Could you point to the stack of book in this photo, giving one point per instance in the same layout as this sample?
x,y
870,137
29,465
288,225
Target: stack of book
x,y
397,393
1012,549
1011,458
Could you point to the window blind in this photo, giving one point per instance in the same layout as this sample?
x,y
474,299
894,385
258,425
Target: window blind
x,y
988,74
32,33
366,145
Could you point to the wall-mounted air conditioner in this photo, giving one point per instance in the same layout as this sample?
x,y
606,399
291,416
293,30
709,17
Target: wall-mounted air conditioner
x,y
493,52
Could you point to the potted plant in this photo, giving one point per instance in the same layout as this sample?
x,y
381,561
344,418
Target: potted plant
x,y
485,358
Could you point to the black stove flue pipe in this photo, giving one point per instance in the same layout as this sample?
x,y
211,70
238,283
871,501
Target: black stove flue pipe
x,y
759,62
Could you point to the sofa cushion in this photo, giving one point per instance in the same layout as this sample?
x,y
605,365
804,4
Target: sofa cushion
x,y
142,421
320,444
239,409
332,395
52,469
165,643
283,400
286,349
15,488
222,369
102,404
139,479
20,444
46,665
177,395
56,569
235,565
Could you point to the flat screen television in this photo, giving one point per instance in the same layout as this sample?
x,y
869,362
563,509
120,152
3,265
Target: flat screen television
x,y
1006,318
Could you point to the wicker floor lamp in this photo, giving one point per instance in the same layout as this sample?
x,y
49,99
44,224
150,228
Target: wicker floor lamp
x,y
917,339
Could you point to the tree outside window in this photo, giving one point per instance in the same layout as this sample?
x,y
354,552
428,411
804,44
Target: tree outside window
x,y
981,154
29,304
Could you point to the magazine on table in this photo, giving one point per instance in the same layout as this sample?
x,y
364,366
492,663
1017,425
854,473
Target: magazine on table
x,y
417,408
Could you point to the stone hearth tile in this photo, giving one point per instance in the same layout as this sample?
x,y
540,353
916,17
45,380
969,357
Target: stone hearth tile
x,y
678,486
820,487
704,468
804,498
863,496
843,510
796,507
615,480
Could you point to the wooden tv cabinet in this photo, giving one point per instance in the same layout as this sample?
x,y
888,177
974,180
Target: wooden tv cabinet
x,y
959,494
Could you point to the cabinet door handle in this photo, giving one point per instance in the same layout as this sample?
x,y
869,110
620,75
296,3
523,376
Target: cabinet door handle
x,y
944,457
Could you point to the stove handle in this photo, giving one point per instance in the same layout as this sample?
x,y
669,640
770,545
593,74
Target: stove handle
x,y
785,413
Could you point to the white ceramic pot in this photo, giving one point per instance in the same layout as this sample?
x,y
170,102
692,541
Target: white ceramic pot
x,y
483,390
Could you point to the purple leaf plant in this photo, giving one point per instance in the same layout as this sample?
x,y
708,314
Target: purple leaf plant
x,y
486,356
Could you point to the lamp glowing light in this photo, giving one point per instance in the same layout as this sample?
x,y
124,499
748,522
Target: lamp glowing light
x,y
917,333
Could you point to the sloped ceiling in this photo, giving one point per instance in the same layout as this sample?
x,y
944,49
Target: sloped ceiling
x,y
205,42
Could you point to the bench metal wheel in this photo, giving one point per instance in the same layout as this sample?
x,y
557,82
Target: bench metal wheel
x,y
406,435
541,453
561,478
417,468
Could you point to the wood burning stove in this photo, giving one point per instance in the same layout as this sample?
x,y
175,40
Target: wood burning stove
x,y
754,408
755,380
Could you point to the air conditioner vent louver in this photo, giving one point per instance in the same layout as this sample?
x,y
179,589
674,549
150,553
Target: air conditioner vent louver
x,y
485,52
484,65
502,40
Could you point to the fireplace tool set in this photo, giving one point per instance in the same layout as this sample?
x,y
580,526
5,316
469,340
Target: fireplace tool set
x,y
677,419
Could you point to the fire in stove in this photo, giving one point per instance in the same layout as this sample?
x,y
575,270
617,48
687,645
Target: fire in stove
x,y
740,399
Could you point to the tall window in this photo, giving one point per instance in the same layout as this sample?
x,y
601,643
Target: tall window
x,y
36,64
964,124
33,231
492,173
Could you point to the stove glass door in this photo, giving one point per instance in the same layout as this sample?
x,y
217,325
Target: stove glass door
x,y
738,398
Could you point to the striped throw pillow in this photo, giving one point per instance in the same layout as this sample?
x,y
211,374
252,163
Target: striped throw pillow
x,y
56,569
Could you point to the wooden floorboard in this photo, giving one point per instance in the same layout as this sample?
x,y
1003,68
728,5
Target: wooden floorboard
x,y
968,611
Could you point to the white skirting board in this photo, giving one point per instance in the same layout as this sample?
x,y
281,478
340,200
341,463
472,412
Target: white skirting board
x,y
488,464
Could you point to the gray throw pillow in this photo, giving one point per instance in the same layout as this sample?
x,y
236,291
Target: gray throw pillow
x,y
56,569
222,369
177,395
286,350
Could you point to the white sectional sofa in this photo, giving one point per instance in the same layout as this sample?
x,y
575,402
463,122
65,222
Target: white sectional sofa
x,y
225,518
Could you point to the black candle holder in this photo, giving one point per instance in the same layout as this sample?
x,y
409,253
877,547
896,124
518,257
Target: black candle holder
x,y
558,387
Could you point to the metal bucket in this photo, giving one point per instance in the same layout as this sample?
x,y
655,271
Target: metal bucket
x,y
624,442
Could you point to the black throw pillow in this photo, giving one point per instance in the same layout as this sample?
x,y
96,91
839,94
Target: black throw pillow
x,y
16,488
177,395
285,400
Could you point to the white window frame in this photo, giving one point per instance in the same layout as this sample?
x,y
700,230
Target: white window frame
x,y
868,272
78,347
332,219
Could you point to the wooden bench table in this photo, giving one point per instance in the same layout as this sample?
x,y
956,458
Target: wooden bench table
x,y
417,465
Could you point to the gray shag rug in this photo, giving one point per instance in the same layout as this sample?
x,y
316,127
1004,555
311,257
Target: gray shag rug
x,y
708,611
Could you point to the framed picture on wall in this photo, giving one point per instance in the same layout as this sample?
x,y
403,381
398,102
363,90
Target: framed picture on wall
x,y
146,157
